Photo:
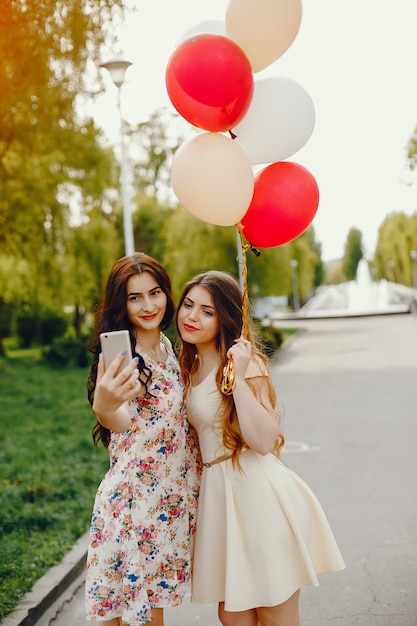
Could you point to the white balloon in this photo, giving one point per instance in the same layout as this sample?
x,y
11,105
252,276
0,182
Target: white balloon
x,y
279,121
212,27
264,29
212,178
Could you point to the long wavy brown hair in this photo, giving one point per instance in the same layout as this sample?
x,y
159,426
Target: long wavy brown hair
x,y
228,301
111,314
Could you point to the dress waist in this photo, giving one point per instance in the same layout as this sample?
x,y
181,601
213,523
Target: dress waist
x,y
219,459
223,457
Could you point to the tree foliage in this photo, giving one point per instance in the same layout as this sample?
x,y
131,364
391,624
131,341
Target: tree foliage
x,y
307,251
61,218
353,253
411,151
152,145
49,155
394,253
192,246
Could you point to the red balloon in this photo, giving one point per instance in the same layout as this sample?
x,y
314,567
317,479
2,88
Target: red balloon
x,y
210,82
284,203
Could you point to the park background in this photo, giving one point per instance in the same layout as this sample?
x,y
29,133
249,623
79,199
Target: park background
x,y
61,220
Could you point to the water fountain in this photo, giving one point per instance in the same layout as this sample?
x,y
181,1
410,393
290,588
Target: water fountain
x,y
362,296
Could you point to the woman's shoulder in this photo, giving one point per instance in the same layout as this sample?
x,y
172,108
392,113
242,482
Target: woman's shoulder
x,y
165,340
168,345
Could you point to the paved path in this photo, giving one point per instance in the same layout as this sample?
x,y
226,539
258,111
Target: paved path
x,y
349,387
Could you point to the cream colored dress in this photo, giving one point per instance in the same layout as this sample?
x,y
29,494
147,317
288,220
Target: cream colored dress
x,y
261,533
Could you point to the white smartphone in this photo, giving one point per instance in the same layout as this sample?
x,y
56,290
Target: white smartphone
x,y
113,343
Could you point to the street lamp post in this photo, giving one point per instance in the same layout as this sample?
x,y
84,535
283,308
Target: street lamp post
x,y
296,295
117,70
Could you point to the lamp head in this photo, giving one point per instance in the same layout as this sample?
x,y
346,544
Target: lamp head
x,y
117,70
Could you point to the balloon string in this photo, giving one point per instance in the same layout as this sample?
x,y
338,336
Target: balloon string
x,y
245,301
228,381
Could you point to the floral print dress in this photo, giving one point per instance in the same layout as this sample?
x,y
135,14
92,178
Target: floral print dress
x,y
144,513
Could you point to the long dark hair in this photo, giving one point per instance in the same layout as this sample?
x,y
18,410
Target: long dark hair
x,y
228,302
111,314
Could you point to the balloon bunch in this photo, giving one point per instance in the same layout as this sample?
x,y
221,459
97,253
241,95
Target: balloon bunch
x,y
209,79
246,122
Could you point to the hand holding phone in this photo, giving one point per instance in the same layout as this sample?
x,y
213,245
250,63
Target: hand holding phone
x,y
113,343
110,400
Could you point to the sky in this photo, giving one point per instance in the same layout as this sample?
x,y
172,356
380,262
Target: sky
x,y
357,59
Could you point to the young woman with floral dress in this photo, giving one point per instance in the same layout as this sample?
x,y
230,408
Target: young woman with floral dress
x,y
142,526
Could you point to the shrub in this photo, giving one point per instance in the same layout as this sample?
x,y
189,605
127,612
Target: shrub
x,y
67,351
51,326
39,326
6,314
27,328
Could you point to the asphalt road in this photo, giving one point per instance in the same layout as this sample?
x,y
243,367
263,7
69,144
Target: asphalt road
x,y
349,388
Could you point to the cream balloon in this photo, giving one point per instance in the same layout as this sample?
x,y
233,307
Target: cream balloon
x,y
264,29
212,178
279,121
213,27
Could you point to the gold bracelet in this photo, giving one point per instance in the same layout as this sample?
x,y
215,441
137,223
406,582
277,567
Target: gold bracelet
x,y
228,382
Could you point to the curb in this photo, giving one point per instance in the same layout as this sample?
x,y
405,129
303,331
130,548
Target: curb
x,y
48,589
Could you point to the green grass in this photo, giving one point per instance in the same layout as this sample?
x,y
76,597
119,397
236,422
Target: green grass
x,y
287,332
49,469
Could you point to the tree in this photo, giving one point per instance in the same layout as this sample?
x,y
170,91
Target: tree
x,y
46,149
411,151
60,213
333,273
306,251
152,145
163,228
149,228
397,238
315,246
269,274
353,253
91,251
193,246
